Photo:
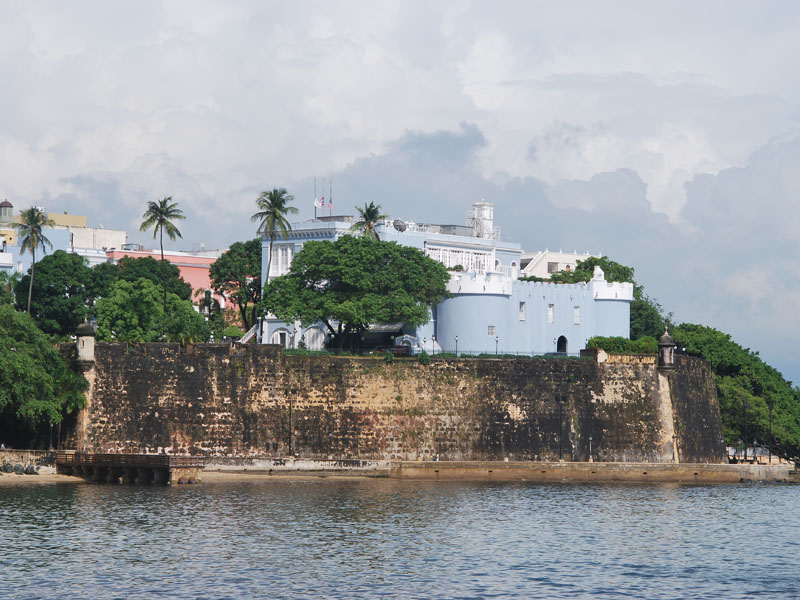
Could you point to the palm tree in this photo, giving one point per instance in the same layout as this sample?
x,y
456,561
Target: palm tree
x,y
370,216
274,207
30,229
159,216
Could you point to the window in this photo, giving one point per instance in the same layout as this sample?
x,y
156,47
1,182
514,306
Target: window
x,y
551,313
491,330
521,311
576,315
552,267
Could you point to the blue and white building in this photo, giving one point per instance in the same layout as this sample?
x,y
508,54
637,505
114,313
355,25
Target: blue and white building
x,y
490,310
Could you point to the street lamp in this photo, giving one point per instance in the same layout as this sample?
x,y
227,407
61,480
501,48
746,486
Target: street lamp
x,y
433,345
590,449
496,342
456,346
424,344
771,405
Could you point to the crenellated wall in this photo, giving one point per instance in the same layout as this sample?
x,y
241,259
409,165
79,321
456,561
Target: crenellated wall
x,y
254,401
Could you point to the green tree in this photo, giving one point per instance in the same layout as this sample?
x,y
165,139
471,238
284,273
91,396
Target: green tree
x,y
370,216
159,215
273,210
182,323
237,275
32,221
37,386
133,312
131,269
8,283
100,279
353,282
743,379
647,317
58,300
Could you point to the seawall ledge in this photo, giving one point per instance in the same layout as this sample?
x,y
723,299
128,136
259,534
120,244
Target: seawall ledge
x,y
583,472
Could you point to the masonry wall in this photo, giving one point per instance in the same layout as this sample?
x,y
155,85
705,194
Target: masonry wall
x,y
254,401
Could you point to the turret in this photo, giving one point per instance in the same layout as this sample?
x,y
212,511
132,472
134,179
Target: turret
x,y
666,351
85,342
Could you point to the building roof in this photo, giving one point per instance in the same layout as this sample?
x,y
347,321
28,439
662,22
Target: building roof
x,y
6,204
84,329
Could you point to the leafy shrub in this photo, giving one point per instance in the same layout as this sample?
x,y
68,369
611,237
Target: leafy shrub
x,y
232,332
621,345
424,358
388,357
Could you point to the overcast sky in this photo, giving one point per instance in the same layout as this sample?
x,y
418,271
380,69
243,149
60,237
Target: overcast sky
x,y
665,136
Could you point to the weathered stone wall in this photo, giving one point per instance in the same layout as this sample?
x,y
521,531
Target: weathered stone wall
x,y
254,401
698,426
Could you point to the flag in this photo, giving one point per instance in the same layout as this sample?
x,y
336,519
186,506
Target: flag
x,y
317,203
330,205
322,202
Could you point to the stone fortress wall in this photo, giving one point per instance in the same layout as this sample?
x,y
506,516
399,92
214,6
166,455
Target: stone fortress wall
x,y
254,401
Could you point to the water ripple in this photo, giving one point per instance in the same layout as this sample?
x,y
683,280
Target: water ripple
x,y
379,538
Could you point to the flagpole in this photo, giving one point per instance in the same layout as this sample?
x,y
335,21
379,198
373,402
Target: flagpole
x,y
330,194
315,198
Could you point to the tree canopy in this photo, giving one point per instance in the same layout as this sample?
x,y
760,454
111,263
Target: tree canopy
x,y
58,302
744,379
237,275
132,312
369,216
353,282
131,269
37,387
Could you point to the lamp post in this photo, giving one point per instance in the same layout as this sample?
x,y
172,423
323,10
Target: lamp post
x,y
496,343
433,345
771,405
424,344
744,414
456,346
590,449
674,449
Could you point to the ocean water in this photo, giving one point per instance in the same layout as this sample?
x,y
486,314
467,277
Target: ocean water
x,y
374,538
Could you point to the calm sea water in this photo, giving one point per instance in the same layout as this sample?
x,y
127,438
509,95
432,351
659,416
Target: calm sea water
x,y
331,538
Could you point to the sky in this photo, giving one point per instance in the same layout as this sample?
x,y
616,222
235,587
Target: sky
x,y
664,135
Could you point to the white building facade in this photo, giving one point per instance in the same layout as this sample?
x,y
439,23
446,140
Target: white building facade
x,y
490,310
